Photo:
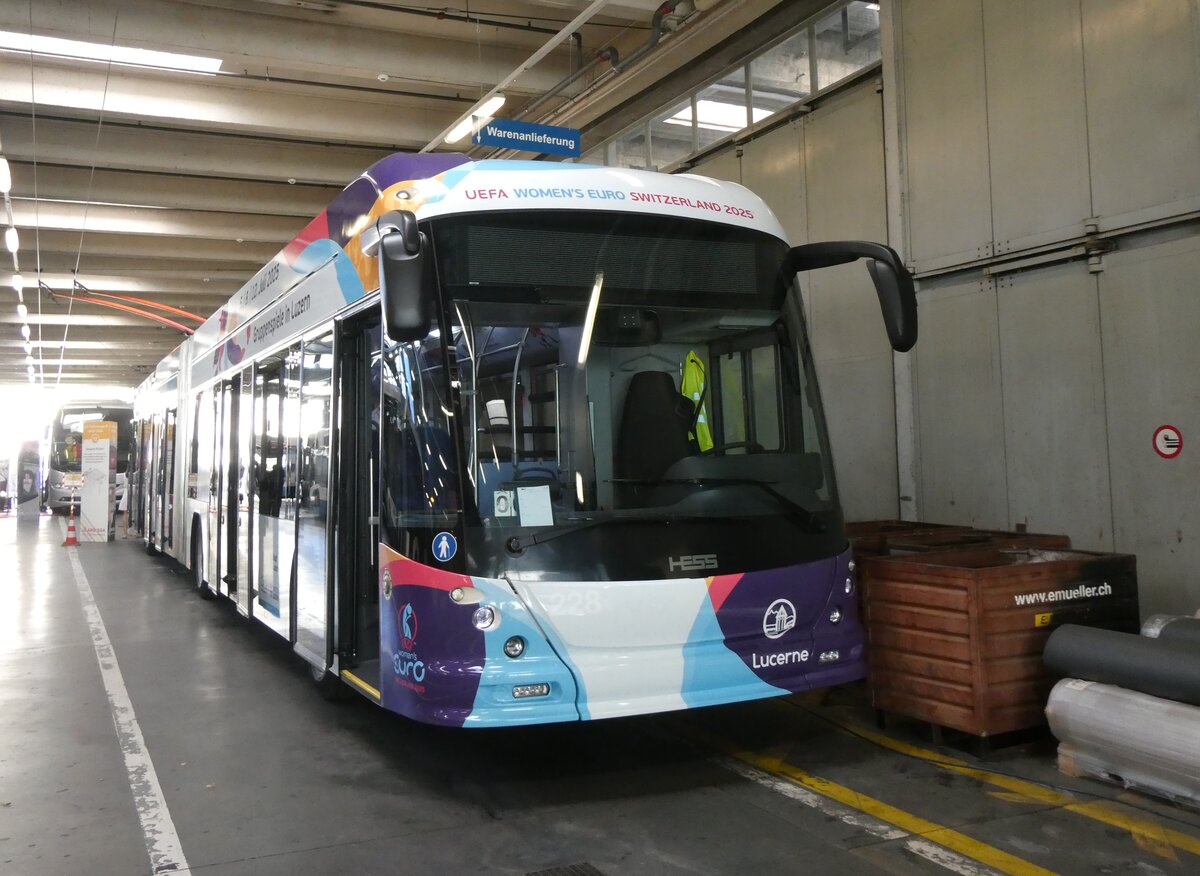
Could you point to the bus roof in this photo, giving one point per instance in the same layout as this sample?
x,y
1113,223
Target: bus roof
x,y
442,184
93,404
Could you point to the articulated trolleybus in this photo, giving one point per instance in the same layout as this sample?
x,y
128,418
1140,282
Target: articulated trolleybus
x,y
502,443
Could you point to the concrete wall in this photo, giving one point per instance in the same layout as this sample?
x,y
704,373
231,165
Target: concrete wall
x,y
1042,180
1050,196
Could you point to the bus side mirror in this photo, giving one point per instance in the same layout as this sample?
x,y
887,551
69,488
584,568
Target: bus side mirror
x,y
400,248
893,282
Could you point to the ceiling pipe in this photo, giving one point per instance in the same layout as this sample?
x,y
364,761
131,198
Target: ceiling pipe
x,y
145,302
550,45
609,54
448,16
613,56
656,32
125,307
596,108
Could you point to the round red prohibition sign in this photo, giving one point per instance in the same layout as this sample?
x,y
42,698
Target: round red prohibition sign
x,y
1168,442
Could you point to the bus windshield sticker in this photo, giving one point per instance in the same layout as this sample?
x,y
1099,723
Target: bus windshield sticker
x,y
503,502
534,505
445,546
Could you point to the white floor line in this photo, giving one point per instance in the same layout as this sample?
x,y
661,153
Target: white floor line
x,y
930,851
158,830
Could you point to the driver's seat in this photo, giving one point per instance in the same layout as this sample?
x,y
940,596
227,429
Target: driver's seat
x,y
652,436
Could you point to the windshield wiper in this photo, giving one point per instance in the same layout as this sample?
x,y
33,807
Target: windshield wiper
x,y
517,543
807,518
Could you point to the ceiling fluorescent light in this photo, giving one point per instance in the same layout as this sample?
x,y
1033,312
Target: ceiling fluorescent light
x,y
460,130
11,240
490,106
589,322
5,176
83,51
477,117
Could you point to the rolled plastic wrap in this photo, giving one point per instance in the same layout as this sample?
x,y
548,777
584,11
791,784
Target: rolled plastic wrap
x,y
1166,669
1142,741
1154,624
1173,628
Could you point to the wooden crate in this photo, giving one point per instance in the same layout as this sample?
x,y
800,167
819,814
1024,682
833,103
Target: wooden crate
x,y
869,538
956,638
928,541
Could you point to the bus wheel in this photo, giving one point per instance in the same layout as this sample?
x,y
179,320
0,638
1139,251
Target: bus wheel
x,y
197,572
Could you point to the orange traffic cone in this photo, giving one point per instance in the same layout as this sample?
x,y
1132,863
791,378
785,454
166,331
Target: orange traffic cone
x,y
71,542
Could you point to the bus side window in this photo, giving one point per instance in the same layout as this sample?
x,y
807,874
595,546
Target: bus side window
x,y
749,390
420,481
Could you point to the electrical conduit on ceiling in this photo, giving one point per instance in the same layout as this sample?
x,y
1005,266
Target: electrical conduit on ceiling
x,y
529,62
613,56
718,14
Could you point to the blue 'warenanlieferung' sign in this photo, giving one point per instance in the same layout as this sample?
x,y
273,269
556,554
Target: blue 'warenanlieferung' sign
x,y
511,134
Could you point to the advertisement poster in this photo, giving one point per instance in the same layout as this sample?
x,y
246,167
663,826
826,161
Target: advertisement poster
x,y
28,488
99,481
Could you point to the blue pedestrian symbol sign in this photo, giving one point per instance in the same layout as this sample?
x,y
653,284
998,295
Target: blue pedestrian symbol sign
x,y
445,546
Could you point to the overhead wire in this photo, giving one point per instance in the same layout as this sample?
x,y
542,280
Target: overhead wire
x,y
87,198
37,224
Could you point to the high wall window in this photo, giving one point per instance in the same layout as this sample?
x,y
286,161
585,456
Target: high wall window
x,y
822,53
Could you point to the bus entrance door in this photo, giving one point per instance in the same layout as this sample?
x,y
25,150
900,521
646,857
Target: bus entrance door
x,y
235,458
315,500
242,485
225,535
215,398
357,521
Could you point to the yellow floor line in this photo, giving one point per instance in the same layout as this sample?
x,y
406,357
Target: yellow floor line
x,y
360,684
944,836
1145,832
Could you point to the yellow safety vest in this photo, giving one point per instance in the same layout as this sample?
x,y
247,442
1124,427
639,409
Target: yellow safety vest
x,y
693,389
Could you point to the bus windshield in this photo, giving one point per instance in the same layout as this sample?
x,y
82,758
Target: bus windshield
x,y
612,397
66,435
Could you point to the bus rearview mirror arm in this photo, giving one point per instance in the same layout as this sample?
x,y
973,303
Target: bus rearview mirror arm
x,y
401,250
893,282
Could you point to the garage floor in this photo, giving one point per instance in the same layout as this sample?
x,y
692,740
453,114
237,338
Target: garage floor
x,y
145,730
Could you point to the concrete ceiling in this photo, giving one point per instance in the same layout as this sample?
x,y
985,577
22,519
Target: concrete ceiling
x,y
175,187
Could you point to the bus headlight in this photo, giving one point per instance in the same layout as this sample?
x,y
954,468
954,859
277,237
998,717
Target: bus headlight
x,y
514,647
835,616
485,617
849,586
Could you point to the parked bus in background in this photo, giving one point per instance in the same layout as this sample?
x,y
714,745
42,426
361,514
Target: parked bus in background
x,y
501,443
62,450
